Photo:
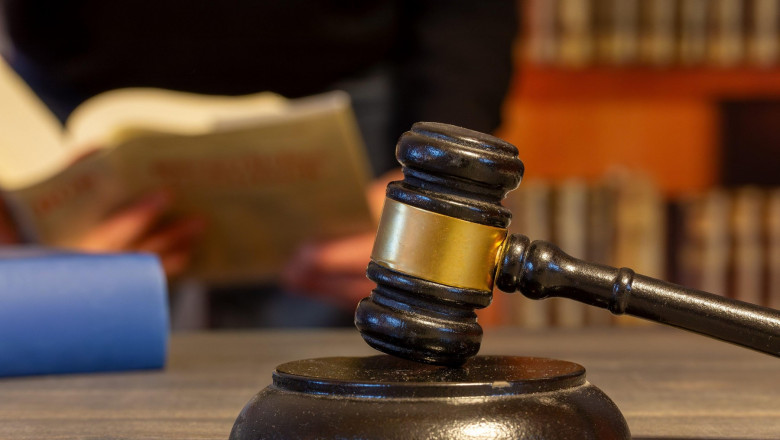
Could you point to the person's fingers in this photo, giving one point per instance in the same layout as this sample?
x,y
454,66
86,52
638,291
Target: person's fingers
x,y
121,230
341,289
335,270
174,262
337,259
174,235
173,244
350,254
8,232
376,191
296,273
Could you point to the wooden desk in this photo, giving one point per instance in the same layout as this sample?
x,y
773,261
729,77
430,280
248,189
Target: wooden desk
x,y
668,383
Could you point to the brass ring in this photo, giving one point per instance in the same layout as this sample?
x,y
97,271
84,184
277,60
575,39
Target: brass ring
x,y
436,247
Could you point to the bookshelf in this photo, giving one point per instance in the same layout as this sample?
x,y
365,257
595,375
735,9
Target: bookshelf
x,y
660,122
535,82
602,84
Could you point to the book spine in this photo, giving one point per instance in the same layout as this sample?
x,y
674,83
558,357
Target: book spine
x,y
726,32
658,32
748,245
533,220
600,239
763,36
570,228
715,236
686,247
542,37
641,231
773,248
603,20
624,46
576,27
693,32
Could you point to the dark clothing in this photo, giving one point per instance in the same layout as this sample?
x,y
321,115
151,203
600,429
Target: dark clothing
x,y
447,60
402,61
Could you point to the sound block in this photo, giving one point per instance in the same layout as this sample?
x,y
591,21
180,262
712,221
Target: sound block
x,y
383,397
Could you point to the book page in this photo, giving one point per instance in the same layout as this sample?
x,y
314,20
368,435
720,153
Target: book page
x,y
111,117
30,135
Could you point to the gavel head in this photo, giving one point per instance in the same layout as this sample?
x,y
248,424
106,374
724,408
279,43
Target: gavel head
x,y
434,258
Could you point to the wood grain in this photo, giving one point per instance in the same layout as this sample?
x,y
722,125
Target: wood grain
x,y
669,384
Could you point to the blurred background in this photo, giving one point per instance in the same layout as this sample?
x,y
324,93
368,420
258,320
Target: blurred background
x,y
650,131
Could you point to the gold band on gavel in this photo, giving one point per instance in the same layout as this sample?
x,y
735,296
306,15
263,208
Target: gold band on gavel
x,y
436,247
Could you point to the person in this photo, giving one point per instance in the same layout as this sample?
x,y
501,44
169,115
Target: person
x,y
402,61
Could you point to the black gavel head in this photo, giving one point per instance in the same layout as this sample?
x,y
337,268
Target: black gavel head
x,y
434,258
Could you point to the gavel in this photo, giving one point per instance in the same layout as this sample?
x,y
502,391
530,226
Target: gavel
x,y
442,244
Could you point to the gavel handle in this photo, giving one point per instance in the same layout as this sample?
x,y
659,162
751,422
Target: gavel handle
x,y
540,270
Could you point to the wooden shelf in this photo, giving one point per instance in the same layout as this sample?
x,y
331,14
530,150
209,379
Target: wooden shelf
x,y
539,82
663,123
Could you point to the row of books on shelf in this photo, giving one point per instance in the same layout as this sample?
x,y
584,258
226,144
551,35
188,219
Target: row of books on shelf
x,y
578,33
730,244
723,241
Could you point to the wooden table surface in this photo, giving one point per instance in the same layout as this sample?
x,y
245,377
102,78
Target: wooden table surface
x,y
668,383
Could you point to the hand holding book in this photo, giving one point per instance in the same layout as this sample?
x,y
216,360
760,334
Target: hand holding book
x,y
265,173
335,270
135,227
140,226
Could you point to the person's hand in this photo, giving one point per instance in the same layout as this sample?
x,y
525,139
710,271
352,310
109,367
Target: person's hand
x,y
335,270
8,231
138,227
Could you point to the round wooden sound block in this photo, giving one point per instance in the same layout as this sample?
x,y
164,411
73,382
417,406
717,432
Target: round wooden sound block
x,y
384,397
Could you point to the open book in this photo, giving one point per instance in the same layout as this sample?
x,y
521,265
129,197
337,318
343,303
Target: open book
x,y
265,173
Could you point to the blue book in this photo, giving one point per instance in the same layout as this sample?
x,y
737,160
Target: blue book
x,y
63,312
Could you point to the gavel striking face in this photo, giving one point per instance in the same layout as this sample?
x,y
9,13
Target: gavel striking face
x,y
442,243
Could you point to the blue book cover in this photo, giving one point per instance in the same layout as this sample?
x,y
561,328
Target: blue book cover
x,y
63,312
